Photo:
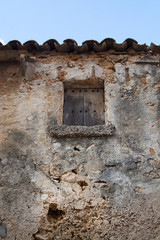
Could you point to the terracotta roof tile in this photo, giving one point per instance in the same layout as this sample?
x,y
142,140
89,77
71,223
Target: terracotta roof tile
x,y
70,45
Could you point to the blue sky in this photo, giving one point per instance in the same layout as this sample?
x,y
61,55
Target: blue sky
x,y
81,20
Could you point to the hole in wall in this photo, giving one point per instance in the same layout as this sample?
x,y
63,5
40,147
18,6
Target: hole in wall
x,y
75,171
54,214
76,148
83,184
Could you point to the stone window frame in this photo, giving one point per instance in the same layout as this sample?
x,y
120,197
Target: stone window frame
x,y
107,129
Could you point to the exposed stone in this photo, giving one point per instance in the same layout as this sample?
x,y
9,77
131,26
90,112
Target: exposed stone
x,y
152,152
77,189
68,177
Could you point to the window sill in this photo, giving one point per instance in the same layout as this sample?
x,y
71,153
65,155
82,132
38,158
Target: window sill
x,y
82,131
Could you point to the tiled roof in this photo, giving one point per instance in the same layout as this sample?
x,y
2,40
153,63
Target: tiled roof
x,y
70,46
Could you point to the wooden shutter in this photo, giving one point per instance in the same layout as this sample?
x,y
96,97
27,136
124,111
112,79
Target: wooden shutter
x,y
73,107
83,107
93,107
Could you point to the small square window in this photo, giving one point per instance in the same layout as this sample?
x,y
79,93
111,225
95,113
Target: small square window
x,y
83,106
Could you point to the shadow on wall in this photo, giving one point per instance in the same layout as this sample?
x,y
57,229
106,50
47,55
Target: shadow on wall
x,y
18,193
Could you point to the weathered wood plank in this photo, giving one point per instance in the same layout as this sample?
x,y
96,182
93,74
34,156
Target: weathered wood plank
x,y
73,107
93,107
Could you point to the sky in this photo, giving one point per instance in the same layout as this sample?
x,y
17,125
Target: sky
x,y
81,20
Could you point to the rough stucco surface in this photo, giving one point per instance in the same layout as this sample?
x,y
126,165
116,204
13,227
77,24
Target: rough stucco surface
x,y
80,188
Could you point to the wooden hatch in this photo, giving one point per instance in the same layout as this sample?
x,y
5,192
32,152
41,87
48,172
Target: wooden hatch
x,y
83,106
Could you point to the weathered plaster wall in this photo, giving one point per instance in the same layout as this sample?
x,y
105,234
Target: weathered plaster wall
x,y
86,187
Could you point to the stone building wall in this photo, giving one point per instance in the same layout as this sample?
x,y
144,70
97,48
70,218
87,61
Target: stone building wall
x,y
79,187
